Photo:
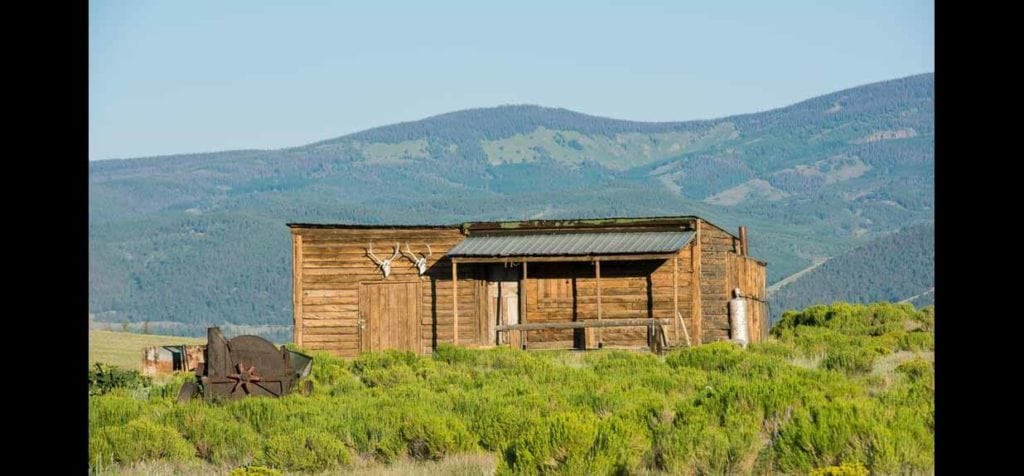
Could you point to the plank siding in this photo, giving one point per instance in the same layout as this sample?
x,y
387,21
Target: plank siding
x,y
332,280
749,275
629,290
331,264
297,291
716,245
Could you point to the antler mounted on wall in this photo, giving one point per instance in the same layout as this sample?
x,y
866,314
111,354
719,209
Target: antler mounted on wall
x,y
383,264
421,262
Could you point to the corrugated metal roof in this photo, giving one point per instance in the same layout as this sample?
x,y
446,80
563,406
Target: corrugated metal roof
x,y
573,244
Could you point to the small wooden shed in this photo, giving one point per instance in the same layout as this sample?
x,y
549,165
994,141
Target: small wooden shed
x,y
615,282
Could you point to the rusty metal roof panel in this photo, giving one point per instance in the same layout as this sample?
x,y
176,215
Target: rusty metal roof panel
x,y
573,244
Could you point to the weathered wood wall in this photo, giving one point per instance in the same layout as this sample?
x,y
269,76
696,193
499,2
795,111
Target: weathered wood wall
x,y
716,246
629,290
748,274
333,285
329,264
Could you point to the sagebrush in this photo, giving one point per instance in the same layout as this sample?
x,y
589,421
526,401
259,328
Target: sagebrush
x,y
712,409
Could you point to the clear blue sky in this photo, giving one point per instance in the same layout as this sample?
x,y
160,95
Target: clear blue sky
x,y
196,76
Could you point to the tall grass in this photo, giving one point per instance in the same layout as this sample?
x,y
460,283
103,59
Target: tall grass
x,y
712,409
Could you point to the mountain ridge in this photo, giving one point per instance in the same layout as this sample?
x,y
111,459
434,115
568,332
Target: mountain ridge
x,y
524,106
810,180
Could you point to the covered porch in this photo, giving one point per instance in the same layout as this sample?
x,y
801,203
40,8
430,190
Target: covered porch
x,y
582,290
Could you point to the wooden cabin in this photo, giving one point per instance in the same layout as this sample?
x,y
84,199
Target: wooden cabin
x,y
583,284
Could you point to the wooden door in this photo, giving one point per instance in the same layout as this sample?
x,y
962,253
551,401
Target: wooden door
x,y
390,316
502,302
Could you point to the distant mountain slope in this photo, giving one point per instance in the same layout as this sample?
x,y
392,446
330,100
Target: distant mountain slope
x,y
192,239
894,267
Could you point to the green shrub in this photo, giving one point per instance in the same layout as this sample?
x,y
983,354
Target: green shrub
x,y
917,370
138,440
169,388
845,469
432,437
621,446
392,368
917,341
821,433
254,471
113,410
561,442
331,375
774,349
715,357
851,319
306,450
926,317
452,355
852,360
104,378
712,409
214,434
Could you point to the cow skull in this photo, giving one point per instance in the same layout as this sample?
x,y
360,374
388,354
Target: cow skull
x,y
383,264
421,262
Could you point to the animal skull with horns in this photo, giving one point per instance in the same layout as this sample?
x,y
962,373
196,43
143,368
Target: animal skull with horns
x,y
383,264
421,262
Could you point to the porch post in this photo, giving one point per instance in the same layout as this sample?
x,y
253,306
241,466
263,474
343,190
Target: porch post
x,y
675,298
455,303
597,276
696,311
522,306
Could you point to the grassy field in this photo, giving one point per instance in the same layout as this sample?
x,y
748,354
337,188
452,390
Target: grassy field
x,y
839,389
124,349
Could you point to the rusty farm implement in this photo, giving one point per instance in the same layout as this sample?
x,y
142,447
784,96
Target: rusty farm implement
x,y
246,366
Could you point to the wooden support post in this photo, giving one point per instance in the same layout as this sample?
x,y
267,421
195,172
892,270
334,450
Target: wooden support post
x,y
597,275
584,324
696,313
522,306
297,287
455,303
485,326
675,299
743,241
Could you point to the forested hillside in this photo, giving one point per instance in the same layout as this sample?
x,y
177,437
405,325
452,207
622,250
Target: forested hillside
x,y
189,240
894,267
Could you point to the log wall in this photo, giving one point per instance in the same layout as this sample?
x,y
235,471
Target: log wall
x,y
330,264
748,274
333,280
715,248
629,290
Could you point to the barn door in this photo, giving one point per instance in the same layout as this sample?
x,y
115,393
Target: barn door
x,y
390,315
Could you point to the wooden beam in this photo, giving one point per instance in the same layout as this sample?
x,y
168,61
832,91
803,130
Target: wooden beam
x,y
513,339
522,309
557,259
675,298
696,313
484,323
455,303
582,324
743,241
297,287
597,275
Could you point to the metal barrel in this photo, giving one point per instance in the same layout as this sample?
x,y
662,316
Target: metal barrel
x,y
738,319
